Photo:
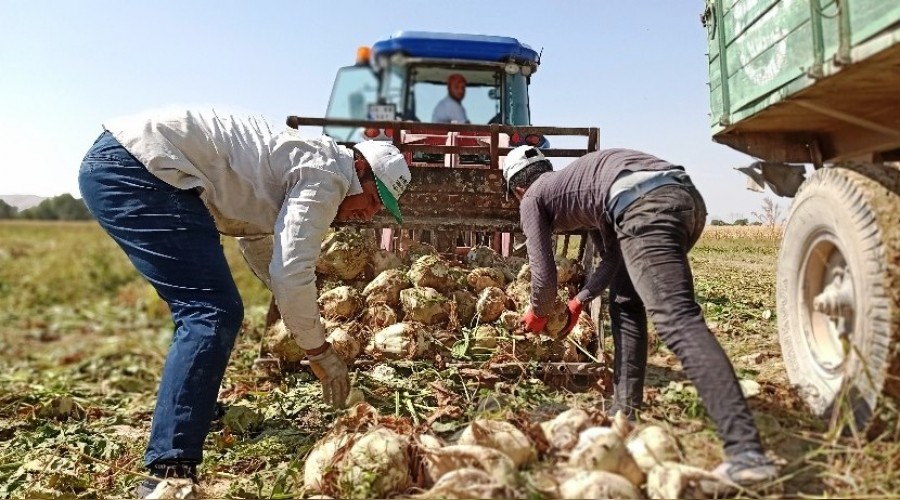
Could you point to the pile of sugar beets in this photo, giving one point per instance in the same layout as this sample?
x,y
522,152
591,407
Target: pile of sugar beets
x,y
413,304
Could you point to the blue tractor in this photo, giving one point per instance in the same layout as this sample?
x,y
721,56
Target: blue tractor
x,y
405,76
456,197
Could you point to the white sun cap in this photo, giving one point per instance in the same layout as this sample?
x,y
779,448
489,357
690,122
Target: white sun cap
x,y
391,172
518,159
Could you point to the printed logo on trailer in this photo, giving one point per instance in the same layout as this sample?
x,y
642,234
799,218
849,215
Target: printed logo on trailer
x,y
762,48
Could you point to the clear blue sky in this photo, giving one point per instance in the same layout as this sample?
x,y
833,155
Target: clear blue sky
x,y
636,69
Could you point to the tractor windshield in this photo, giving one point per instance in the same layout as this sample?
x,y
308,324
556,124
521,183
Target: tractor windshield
x,y
355,88
491,96
412,91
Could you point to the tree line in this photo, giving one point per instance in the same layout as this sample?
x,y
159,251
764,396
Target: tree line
x,y
62,207
769,215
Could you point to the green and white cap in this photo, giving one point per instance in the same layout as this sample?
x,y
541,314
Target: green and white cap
x,y
391,172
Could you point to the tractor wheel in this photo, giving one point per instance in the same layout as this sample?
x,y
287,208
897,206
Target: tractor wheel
x,y
838,295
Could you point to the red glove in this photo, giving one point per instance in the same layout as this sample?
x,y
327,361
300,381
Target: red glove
x,y
574,309
533,323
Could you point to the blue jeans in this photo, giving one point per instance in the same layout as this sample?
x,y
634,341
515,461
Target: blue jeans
x,y
170,237
655,234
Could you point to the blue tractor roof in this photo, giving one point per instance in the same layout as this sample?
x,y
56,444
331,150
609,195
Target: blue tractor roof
x,y
455,46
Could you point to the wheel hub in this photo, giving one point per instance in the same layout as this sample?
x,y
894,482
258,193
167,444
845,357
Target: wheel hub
x,y
831,300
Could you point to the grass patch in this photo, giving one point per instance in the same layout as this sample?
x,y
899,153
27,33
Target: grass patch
x,y
84,341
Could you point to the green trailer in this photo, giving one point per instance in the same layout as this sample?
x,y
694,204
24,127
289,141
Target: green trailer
x,y
811,89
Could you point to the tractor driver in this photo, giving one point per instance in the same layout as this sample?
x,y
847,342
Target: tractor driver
x,y
450,109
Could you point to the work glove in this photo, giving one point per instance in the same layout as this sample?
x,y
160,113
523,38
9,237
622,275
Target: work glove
x,y
573,308
331,371
532,322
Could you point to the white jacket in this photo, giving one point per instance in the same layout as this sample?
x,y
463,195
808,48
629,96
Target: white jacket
x,y
256,184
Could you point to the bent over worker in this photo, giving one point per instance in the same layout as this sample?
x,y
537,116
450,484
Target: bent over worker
x,y
644,215
165,184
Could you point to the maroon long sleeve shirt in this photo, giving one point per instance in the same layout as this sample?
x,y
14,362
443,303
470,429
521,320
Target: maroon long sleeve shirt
x,y
574,199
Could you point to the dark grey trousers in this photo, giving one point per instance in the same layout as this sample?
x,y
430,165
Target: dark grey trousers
x,y
655,233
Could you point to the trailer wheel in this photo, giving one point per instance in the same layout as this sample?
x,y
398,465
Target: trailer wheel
x,y
838,294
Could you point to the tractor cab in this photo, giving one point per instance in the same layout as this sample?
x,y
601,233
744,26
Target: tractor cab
x,y
405,76
457,196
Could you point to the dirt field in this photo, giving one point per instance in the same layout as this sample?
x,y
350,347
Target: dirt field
x,y
84,340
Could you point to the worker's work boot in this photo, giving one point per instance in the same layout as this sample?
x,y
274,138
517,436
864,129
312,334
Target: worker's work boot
x,y
181,478
747,470
630,412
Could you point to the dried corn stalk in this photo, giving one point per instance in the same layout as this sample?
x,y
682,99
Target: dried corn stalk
x,y
584,331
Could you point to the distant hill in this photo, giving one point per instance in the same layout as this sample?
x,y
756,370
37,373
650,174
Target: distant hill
x,y
22,201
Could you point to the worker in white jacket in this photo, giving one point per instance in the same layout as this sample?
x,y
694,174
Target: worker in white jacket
x,y
165,184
